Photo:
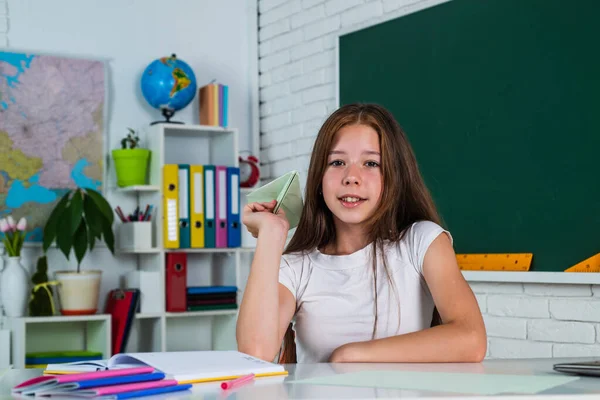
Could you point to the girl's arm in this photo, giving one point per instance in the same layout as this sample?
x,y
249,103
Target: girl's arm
x,y
267,306
461,337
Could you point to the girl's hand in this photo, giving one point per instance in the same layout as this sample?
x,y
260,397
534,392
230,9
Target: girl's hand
x,y
259,216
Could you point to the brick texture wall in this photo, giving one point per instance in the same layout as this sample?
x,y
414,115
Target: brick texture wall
x,y
297,91
3,23
540,320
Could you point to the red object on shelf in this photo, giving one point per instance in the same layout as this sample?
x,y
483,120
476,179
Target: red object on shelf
x,y
176,281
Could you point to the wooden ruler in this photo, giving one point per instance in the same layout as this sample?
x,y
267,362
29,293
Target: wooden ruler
x,y
591,264
495,261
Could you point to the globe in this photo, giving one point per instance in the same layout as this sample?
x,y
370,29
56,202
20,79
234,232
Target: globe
x,y
168,84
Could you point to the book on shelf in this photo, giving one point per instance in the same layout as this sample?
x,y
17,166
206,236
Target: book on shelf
x,y
214,104
182,366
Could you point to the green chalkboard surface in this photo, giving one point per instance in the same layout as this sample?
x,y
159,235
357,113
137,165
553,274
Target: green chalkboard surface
x,y
501,102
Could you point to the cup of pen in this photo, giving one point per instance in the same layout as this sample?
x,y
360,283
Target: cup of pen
x,y
134,233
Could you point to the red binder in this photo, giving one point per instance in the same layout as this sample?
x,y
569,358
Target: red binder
x,y
121,304
176,281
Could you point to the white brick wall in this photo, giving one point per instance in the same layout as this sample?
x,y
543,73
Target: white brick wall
x,y
297,76
540,320
297,91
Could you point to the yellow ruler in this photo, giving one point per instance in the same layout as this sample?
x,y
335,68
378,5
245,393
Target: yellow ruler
x,y
591,264
495,261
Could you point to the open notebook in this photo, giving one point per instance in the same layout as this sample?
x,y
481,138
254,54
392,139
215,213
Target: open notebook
x,y
286,190
183,366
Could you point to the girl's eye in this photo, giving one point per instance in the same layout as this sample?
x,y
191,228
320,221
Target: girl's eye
x,y
336,163
372,164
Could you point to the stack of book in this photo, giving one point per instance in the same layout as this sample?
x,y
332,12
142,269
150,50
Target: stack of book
x,y
117,384
214,99
204,298
41,359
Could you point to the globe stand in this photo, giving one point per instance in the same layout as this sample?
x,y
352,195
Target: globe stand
x,y
168,114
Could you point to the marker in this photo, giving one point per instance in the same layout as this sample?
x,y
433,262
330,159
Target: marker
x,y
237,382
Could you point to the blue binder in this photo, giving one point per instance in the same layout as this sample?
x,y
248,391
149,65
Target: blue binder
x,y
209,207
184,206
234,231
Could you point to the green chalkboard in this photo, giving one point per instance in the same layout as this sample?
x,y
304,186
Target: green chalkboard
x,y
501,102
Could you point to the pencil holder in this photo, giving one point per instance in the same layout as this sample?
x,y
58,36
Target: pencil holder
x,y
136,235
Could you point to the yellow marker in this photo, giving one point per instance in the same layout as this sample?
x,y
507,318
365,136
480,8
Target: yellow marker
x,y
591,264
495,261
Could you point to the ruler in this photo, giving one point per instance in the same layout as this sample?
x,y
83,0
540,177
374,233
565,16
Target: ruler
x,y
495,261
591,264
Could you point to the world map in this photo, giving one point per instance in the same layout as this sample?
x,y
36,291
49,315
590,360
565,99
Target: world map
x,y
51,132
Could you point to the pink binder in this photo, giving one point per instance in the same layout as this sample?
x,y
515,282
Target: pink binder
x,y
221,205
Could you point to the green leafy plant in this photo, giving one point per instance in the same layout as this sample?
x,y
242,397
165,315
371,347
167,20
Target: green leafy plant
x,y
81,217
132,139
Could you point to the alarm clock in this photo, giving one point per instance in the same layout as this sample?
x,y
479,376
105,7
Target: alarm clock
x,y
249,171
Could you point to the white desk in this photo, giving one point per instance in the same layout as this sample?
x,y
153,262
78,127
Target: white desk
x,y
279,387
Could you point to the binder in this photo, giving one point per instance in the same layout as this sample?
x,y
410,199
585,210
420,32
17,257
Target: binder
x,y
170,206
221,206
176,282
121,305
234,231
184,206
196,206
209,206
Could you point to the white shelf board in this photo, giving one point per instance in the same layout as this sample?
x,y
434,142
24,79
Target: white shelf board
x,y
194,130
139,188
211,250
63,318
189,250
153,250
187,314
148,315
581,278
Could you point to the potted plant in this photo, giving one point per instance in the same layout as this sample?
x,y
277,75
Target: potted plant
x,y
131,162
81,217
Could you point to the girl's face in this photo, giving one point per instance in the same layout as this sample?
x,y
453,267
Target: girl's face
x,y
352,182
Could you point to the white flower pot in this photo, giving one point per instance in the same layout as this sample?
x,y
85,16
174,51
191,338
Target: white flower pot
x,y
78,292
14,288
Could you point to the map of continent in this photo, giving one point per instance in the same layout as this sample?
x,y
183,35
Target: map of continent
x,y
51,132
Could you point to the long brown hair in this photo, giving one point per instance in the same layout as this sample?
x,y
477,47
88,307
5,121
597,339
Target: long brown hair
x,y
404,199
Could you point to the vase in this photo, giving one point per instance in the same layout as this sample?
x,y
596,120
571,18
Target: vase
x,y
14,288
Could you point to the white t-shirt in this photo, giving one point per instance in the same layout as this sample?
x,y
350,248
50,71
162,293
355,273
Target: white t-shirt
x,y
335,301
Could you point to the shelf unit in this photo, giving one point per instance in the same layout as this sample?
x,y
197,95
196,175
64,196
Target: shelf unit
x,y
83,332
157,329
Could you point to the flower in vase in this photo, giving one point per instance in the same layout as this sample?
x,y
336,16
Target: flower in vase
x,y
14,235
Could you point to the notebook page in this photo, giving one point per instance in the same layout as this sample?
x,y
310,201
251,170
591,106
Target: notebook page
x,y
194,365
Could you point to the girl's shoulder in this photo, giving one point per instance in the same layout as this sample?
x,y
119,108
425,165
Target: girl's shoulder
x,y
415,242
424,230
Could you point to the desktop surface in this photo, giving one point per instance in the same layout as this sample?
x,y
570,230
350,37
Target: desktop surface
x,y
282,387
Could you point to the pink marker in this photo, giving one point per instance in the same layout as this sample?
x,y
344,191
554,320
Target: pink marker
x,y
237,382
